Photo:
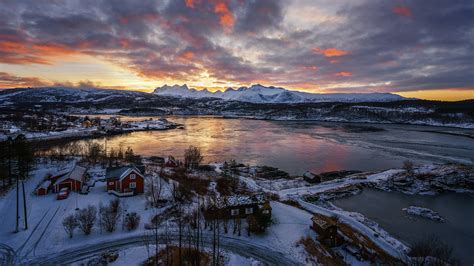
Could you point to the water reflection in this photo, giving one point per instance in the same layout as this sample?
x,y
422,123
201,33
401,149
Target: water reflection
x,y
295,146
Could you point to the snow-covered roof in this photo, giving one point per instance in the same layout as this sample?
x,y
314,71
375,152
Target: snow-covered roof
x,y
309,175
320,222
118,173
239,200
77,173
45,184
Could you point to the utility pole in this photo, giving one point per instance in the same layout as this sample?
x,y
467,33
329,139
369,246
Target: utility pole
x,y
17,207
24,204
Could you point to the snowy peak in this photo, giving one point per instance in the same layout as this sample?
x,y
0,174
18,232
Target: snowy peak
x,y
261,94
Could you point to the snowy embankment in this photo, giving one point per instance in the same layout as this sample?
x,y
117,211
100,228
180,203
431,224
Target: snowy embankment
x,y
380,237
339,183
93,131
357,221
425,213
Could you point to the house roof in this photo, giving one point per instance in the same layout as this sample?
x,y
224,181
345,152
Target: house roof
x,y
240,200
309,175
117,173
77,173
45,184
320,222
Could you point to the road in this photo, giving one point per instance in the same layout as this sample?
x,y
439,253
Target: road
x,y
242,247
7,255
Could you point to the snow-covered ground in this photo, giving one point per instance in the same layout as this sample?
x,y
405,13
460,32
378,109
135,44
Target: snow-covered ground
x,y
46,238
45,215
46,235
425,213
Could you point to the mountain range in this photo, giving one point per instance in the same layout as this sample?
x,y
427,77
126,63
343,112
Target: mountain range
x,y
262,94
255,102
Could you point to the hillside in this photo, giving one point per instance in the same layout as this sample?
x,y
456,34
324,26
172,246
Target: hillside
x,y
71,100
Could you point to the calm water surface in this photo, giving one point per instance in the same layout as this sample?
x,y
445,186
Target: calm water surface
x,y
299,146
386,209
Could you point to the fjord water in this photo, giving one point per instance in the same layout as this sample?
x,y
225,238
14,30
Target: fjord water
x,y
386,209
297,146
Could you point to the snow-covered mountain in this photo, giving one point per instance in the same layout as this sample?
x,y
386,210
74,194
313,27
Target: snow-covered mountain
x,y
65,95
261,94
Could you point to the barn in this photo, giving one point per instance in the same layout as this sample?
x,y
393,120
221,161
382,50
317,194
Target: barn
x,y
74,180
124,181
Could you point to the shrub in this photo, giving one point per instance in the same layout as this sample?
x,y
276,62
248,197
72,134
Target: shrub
x,y
70,223
86,218
132,220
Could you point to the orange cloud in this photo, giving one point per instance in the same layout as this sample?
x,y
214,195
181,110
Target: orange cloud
x,y
186,56
189,3
402,11
331,52
226,17
315,68
344,74
17,52
8,80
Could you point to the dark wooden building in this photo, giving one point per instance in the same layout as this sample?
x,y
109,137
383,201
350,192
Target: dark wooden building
x,y
237,206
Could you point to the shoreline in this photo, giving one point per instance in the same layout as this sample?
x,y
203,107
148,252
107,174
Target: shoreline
x,y
223,116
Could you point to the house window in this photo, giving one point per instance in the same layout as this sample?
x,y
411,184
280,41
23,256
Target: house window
x,y
111,183
234,212
133,176
132,185
248,210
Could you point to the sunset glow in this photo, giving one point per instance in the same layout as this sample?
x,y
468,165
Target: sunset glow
x,y
338,47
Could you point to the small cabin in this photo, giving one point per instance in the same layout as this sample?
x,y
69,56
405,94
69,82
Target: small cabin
x,y
237,206
43,188
326,230
312,177
125,180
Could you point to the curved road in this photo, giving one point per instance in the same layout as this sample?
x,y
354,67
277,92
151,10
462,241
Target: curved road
x,y
242,247
7,255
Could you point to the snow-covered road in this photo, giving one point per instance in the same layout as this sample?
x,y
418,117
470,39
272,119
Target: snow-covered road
x,y
243,247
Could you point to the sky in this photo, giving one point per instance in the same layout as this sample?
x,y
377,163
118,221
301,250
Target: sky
x,y
415,48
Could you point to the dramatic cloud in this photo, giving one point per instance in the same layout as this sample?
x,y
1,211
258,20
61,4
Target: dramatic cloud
x,y
10,81
402,11
322,45
331,52
344,74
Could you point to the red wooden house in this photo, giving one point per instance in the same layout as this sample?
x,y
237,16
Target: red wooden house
x,y
74,180
124,181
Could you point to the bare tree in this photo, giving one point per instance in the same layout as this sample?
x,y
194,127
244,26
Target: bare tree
x,y
86,218
70,223
192,157
132,220
431,250
154,190
408,167
94,151
110,215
